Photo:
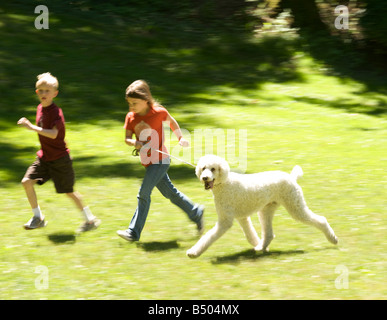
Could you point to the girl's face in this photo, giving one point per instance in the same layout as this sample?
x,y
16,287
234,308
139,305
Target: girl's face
x,y
139,106
46,94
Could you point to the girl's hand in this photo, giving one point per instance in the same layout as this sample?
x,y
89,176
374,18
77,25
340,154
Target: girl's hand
x,y
138,145
183,143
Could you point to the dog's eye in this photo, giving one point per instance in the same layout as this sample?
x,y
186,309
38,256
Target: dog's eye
x,y
212,169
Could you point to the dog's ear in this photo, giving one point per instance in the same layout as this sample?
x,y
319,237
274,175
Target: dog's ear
x,y
224,169
198,169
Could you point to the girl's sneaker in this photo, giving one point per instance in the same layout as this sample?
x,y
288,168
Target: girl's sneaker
x,y
127,235
200,225
35,223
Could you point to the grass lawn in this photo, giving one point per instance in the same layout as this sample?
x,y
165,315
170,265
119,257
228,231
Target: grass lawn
x,y
294,110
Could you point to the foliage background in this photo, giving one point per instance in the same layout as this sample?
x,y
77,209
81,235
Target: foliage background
x,y
307,94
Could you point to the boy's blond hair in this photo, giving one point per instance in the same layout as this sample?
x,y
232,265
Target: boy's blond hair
x,y
47,79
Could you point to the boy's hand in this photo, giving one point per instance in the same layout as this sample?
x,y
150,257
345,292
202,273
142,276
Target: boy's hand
x,y
49,133
24,122
183,143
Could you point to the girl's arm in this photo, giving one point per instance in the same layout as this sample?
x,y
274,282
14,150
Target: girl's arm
x,y
132,142
176,129
49,133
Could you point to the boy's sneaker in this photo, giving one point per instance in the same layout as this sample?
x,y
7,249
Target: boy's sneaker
x,y
127,235
35,223
87,226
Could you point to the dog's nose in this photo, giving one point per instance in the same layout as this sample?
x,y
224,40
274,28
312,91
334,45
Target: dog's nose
x,y
205,178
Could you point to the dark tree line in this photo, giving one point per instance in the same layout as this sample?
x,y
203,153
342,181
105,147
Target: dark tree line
x,y
308,15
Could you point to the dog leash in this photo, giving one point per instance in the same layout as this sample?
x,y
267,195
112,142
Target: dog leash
x,y
136,153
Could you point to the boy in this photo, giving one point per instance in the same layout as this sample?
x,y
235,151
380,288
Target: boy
x,y
53,160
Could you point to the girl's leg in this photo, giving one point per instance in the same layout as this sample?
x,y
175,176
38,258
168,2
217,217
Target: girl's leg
x,y
168,190
153,174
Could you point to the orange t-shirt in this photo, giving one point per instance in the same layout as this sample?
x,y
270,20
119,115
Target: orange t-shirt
x,y
149,130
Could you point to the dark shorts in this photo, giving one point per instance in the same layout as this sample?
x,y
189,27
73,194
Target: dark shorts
x,y
60,171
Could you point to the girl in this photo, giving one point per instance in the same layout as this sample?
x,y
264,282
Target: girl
x,y
145,120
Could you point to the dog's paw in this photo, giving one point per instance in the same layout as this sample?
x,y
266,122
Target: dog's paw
x,y
261,248
334,239
192,254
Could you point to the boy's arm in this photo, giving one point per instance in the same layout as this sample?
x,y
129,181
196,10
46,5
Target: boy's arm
x,y
132,142
176,129
49,133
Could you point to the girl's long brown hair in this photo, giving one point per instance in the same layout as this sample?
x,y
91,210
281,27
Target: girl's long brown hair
x,y
139,89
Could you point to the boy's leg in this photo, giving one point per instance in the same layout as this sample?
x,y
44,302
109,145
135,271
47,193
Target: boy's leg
x,y
77,198
91,222
28,185
37,221
169,191
62,173
36,173
152,177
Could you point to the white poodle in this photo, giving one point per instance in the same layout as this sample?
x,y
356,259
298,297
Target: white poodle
x,y
240,195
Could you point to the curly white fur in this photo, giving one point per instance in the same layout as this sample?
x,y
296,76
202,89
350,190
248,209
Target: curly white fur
x,y
240,195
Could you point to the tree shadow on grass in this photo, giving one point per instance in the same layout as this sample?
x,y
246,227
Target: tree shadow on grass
x,y
62,237
85,166
378,108
178,64
155,246
12,164
94,166
181,172
97,167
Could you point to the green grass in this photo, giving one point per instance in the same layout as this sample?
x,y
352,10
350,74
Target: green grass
x,y
295,111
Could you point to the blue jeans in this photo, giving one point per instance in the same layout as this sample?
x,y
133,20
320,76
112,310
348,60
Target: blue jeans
x,y
156,176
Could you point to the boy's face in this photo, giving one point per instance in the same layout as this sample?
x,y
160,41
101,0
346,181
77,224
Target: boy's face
x,y
46,94
139,106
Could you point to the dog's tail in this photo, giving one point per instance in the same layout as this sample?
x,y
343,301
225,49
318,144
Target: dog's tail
x,y
297,172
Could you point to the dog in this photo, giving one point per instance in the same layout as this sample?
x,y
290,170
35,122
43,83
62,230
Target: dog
x,y
240,195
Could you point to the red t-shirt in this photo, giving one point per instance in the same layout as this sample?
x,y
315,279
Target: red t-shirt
x,y
149,129
47,118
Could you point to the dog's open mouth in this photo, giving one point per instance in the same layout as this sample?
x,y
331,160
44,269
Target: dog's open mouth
x,y
208,184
